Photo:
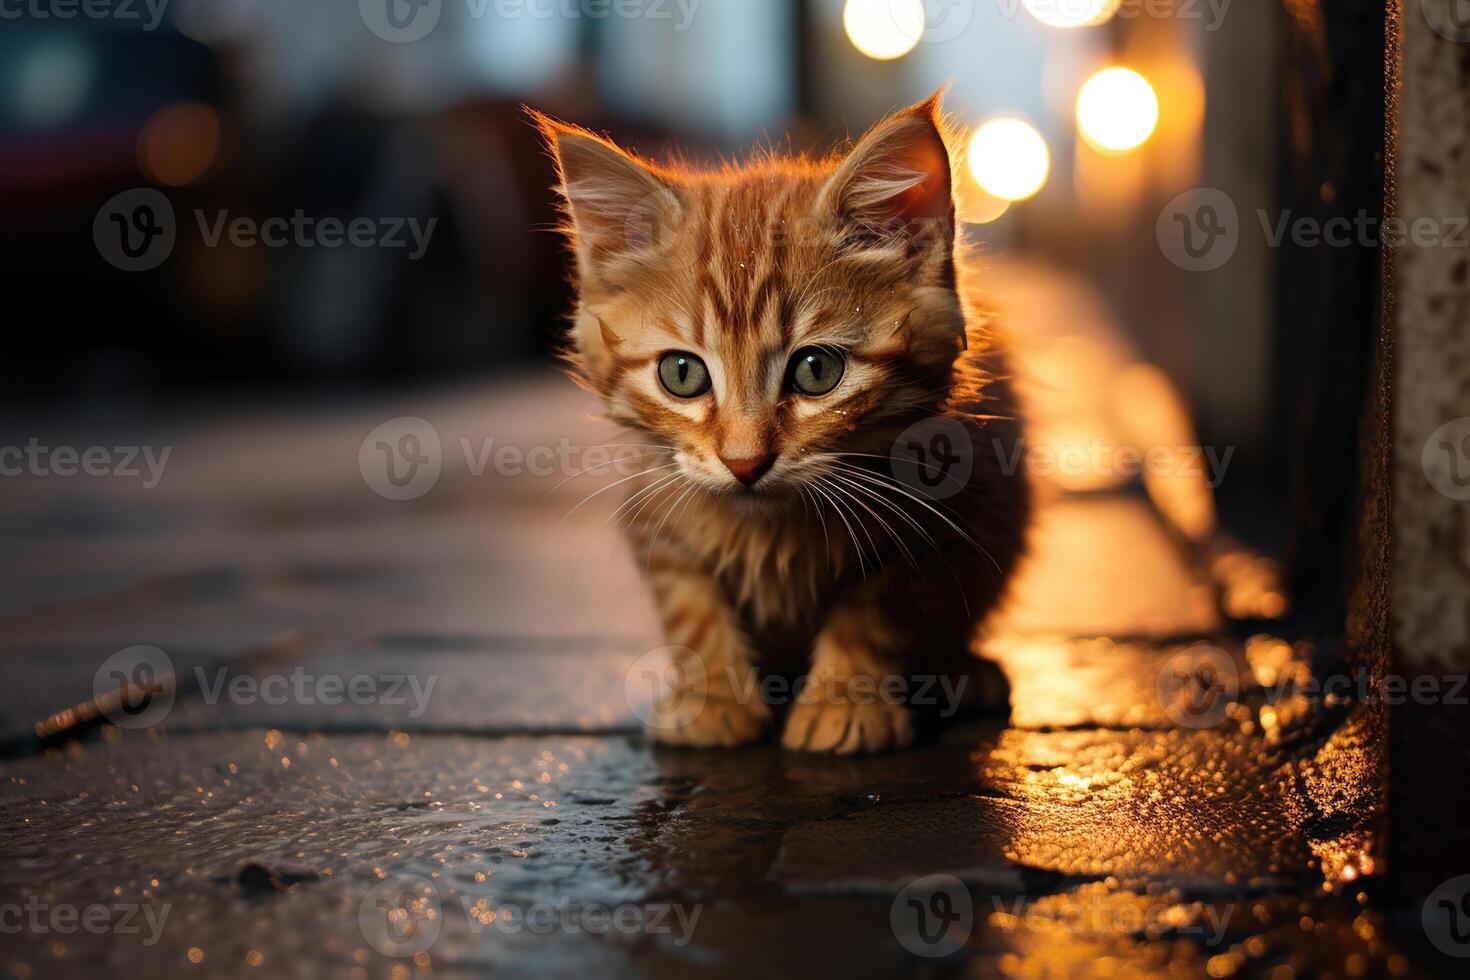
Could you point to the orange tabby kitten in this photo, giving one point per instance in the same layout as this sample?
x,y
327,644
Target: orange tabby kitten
x,y
774,329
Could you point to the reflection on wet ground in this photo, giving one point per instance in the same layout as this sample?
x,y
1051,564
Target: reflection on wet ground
x,y
1172,794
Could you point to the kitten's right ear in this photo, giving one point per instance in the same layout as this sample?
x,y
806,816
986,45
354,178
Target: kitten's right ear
x,y
620,207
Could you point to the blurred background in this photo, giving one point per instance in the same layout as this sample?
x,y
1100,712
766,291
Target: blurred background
x,y
1083,119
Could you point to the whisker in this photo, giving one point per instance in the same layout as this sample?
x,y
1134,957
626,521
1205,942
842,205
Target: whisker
x,y
948,565
902,546
886,483
653,541
611,462
869,492
644,493
618,483
821,519
862,563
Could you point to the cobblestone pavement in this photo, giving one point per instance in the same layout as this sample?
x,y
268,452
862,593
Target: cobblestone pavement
x,y
485,801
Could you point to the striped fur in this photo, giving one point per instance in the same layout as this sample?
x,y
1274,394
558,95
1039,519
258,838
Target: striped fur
x,y
829,560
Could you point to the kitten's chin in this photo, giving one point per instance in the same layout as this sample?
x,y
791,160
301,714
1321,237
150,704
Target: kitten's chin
x,y
757,500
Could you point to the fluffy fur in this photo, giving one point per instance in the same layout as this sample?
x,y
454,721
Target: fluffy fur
x,y
828,566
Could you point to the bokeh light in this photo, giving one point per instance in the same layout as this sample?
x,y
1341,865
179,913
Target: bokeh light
x,y
179,143
1072,13
884,29
975,206
52,82
1009,159
1117,110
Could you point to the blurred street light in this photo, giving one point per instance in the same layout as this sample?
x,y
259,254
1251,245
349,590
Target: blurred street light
x,y
884,29
1117,110
1009,159
1073,13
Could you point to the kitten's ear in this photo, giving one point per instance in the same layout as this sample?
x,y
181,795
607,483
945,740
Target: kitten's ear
x,y
619,206
897,179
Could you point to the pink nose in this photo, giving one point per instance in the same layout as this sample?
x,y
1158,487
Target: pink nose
x,y
748,469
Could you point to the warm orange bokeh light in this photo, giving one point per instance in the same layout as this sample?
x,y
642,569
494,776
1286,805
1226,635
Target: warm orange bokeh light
x,y
884,29
1009,159
179,143
1117,110
1072,13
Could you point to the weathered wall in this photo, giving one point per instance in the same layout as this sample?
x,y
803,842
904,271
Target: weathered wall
x,y
1431,528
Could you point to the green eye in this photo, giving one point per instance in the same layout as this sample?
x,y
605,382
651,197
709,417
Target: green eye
x,y
816,370
683,375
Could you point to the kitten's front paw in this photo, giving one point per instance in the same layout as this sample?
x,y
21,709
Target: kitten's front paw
x,y
706,722
847,729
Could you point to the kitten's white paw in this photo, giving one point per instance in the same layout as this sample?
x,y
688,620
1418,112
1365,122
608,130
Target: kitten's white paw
x,y
847,729
711,722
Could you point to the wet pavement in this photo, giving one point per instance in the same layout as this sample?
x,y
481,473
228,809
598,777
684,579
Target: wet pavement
x,y
486,802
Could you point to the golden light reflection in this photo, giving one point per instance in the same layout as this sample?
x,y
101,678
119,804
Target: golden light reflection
x,y
1117,110
179,143
1009,159
884,29
1073,13
1251,585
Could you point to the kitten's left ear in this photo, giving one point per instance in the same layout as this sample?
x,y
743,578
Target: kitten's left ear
x,y
620,207
897,179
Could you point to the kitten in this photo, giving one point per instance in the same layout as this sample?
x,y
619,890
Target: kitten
x,y
773,329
